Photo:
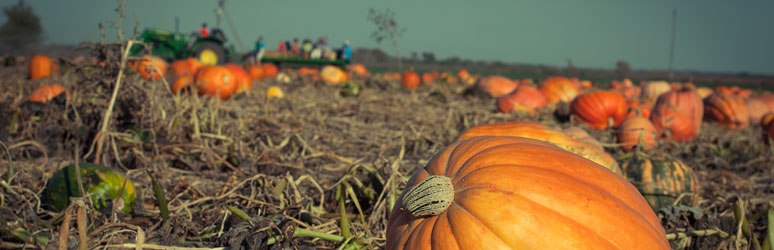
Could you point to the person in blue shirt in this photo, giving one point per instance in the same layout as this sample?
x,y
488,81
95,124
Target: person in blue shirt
x,y
346,52
259,50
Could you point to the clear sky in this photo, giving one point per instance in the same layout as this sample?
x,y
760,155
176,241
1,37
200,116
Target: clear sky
x,y
712,35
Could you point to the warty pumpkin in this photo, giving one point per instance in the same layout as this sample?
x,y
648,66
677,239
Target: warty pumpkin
x,y
660,179
600,110
542,132
678,113
410,80
215,81
558,89
519,193
728,110
497,86
636,131
46,93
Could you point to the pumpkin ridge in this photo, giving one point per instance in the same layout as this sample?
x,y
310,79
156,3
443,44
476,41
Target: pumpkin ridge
x,y
543,209
473,156
557,176
424,231
474,218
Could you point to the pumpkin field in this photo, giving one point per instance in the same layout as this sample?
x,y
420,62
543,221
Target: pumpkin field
x,y
260,156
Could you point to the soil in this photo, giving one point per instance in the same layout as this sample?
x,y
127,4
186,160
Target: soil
x,y
278,162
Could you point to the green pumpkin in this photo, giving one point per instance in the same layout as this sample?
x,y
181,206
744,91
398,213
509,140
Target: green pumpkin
x,y
660,179
101,182
350,89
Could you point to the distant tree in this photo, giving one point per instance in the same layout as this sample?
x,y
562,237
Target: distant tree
x,y
428,57
622,67
22,27
386,27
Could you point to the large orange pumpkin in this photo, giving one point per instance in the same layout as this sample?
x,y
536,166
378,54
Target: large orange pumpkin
x,y
541,132
152,67
40,66
727,109
410,80
216,81
636,131
242,78
270,70
519,193
46,93
558,89
333,75
757,109
679,113
600,109
525,99
497,86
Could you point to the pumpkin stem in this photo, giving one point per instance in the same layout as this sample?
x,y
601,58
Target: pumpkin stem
x,y
430,197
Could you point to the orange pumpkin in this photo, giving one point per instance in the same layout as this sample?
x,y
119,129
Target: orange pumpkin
x,y
679,113
497,86
518,193
676,85
182,82
630,92
463,74
40,66
184,67
255,72
558,89
427,79
270,70
46,93
728,110
242,78
600,110
152,67
525,99
542,132
216,81
359,70
637,131
724,90
410,80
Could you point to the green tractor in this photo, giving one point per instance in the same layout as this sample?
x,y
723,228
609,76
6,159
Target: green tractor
x,y
210,50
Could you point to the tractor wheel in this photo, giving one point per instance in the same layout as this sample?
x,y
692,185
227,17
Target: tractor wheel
x,y
210,53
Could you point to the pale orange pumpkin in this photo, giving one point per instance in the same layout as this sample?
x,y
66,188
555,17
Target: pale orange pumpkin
x,y
651,90
636,131
757,109
359,70
333,75
497,86
519,193
704,92
215,81
46,93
